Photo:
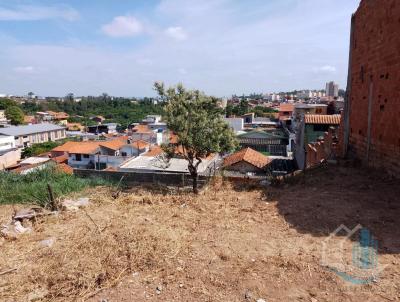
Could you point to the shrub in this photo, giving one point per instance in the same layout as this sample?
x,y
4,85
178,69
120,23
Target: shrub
x,y
32,187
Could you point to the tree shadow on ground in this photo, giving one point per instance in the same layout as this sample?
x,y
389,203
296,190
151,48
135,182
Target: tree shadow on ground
x,y
324,199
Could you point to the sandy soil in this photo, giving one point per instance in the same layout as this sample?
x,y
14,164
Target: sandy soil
x,y
231,243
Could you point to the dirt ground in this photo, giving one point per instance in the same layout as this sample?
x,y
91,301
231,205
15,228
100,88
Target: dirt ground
x,y
233,242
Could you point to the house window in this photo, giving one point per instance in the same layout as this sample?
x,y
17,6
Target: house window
x,y
78,157
86,156
124,154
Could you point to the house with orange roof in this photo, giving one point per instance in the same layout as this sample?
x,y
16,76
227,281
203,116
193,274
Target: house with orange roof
x,y
146,132
247,160
312,128
52,116
75,127
100,154
29,119
285,111
154,151
80,154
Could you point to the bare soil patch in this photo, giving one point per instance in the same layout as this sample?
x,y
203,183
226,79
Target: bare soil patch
x,y
230,243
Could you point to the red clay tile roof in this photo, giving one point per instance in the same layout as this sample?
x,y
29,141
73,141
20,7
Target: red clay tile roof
x,y
333,119
74,126
154,151
142,129
78,147
29,119
286,107
248,155
58,115
140,144
114,144
65,168
91,147
61,159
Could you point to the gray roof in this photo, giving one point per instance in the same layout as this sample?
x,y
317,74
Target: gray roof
x,y
29,129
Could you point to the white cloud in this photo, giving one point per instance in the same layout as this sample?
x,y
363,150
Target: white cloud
x,y
176,33
24,69
325,69
123,26
34,13
221,49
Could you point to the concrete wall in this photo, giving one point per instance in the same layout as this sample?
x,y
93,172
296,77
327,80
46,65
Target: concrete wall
x,y
6,142
89,162
130,178
299,147
83,163
373,104
43,137
130,150
148,137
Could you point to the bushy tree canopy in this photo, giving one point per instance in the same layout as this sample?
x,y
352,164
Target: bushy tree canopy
x,y
197,121
15,115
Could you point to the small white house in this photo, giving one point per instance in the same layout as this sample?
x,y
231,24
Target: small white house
x,y
135,148
9,154
6,142
236,123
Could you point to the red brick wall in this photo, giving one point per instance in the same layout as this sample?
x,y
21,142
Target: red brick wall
x,y
375,68
321,151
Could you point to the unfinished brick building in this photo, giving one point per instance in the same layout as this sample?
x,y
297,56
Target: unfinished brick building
x,y
371,120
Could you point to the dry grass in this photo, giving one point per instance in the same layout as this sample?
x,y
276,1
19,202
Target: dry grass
x,y
211,247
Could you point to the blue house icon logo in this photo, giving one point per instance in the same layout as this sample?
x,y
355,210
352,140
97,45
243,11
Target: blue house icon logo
x,y
364,267
365,252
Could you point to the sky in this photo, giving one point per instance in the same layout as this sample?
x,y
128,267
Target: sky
x,y
221,47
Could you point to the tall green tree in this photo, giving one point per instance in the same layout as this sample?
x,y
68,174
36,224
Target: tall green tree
x,y
15,115
197,121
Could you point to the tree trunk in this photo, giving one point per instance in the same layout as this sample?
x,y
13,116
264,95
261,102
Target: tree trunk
x,y
194,178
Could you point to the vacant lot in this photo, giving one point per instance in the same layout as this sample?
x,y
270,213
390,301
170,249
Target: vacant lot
x,y
231,243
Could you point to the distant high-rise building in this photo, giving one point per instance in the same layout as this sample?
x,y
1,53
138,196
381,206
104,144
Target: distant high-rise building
x,y
332,89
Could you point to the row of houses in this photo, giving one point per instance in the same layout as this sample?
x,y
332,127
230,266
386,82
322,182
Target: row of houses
x,y
266,145
14,139
296,130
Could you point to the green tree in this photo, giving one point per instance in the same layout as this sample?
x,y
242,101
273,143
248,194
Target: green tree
x,y
37,149
5,103
15,114
229,110
197,121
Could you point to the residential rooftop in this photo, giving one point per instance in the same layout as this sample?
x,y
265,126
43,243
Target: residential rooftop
x,y
248,155
152,164
333,119
29,129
